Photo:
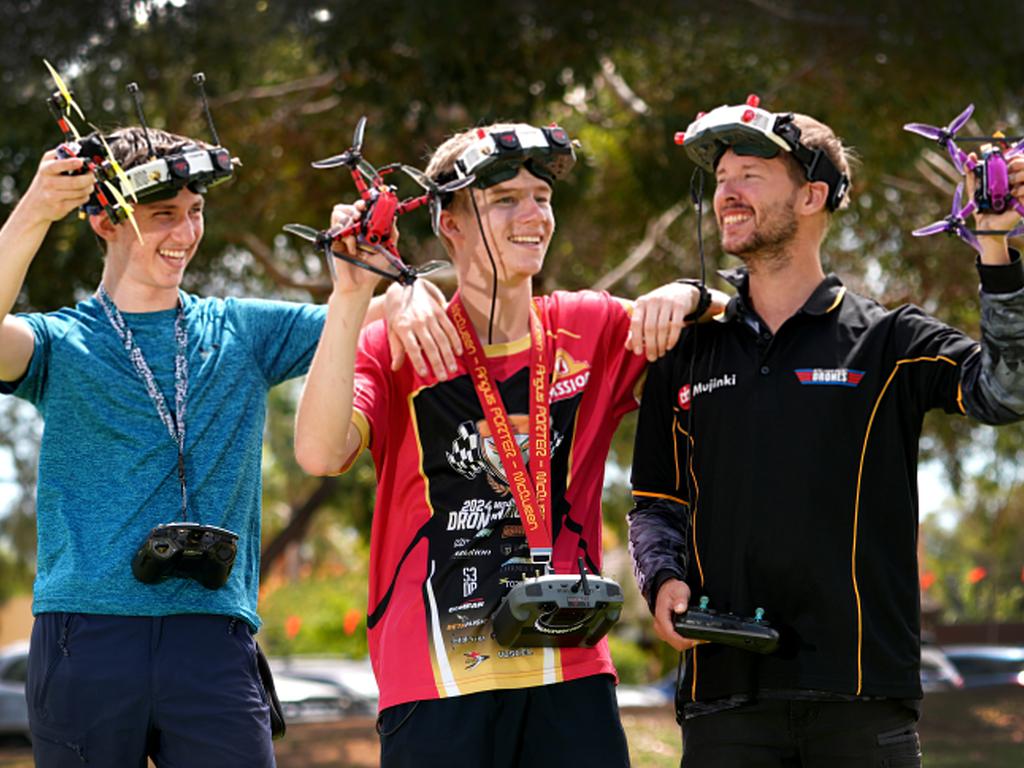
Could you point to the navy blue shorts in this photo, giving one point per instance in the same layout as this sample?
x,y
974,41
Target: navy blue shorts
x,y
112,690
558,725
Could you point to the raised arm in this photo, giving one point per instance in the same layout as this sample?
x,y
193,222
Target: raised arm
x,y
50,197
326,440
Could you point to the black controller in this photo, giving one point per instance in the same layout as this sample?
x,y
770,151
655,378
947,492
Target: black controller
x,y
703,623
186,550
558,611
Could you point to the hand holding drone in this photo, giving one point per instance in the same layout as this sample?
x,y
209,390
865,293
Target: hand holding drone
x,y
97,158
374,230
993,193
193,166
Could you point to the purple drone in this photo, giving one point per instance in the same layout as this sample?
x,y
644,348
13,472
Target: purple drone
x,y
992,191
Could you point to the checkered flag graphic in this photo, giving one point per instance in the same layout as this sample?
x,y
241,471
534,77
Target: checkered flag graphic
x,y
464,456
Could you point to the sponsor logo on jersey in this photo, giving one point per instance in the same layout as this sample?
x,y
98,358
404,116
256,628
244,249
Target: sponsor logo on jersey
x,y
836,377
571,377
468,552
467,639
478,514
474,659
685,397
469,605
467,624
472,451
512,530
511,653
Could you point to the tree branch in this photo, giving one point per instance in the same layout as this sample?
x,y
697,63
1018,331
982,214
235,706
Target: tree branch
x,y
642,250
298,524
319,289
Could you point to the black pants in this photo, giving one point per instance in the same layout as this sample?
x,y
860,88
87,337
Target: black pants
x,y
564,724
804,734
110,690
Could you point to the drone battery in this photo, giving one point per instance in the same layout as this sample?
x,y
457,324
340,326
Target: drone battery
x,y
558,611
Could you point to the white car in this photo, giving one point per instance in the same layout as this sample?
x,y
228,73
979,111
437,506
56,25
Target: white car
x,y
13,707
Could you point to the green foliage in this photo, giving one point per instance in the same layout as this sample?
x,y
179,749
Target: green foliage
x,y
326,607
288,81
631,662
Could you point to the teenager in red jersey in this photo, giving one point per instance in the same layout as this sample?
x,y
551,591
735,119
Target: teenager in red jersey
x,y
447,530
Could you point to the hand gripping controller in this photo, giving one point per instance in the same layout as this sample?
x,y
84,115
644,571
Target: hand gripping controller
x,y
703,623
187,550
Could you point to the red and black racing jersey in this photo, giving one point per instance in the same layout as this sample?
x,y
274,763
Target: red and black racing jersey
x,y
444,519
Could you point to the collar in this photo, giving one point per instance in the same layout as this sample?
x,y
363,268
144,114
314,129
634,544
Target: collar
x,y
826,297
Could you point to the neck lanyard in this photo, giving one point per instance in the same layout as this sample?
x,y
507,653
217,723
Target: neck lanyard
x,y
531,490
175,422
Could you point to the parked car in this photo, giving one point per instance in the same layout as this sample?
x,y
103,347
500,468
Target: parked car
x,y
303,700
983,665
642,696
13,707
938,673
308,701
352,679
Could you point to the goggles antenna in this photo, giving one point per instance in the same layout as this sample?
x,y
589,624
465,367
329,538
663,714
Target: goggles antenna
x,y
133,89
199,79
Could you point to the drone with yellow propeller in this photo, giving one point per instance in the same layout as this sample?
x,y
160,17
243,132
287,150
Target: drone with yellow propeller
x,y
193,166
98,159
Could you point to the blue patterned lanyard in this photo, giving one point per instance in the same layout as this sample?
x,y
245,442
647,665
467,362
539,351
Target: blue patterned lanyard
x,y
175,422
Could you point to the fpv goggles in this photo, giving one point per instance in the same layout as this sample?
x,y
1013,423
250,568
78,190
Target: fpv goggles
x,y
192,167
496,156
159,179
749,130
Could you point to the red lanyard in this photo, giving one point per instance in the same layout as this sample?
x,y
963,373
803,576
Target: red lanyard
x,y
532,494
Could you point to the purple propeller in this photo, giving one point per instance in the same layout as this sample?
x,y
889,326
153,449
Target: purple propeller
x,y
955,223
944,136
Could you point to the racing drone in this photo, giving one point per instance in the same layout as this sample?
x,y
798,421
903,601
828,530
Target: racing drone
x,y
374,230
992,191
97,157
195,167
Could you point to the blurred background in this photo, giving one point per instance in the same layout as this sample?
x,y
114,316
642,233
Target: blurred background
x,y
287,82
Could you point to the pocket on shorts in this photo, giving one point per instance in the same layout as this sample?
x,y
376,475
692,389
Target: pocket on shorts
x,y
46,660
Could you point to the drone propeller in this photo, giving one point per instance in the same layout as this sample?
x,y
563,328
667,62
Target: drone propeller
x,y
431,186
69,101
129,211
945,225
303,231
1015,150
944,136
353,156
955,223
126,183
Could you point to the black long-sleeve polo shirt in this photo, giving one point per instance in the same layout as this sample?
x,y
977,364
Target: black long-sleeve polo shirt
x,y
802,487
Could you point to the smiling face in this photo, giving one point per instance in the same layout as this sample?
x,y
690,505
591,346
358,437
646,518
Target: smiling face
x,y
171,230
754,203
518,222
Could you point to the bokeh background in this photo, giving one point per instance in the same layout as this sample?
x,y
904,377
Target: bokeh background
x,y
287,82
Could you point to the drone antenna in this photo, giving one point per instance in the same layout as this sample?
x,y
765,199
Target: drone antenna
x,y
133,89
199,79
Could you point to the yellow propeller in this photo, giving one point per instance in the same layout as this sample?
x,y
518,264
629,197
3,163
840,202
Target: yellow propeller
x,y
64,92
126,183
127,207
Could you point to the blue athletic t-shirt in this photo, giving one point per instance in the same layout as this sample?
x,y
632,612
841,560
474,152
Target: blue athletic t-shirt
x,y
108,466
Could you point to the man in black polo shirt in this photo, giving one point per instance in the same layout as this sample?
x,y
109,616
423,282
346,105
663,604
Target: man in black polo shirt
x,y
776,461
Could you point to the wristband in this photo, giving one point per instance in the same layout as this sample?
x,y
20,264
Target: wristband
x,y
703,301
